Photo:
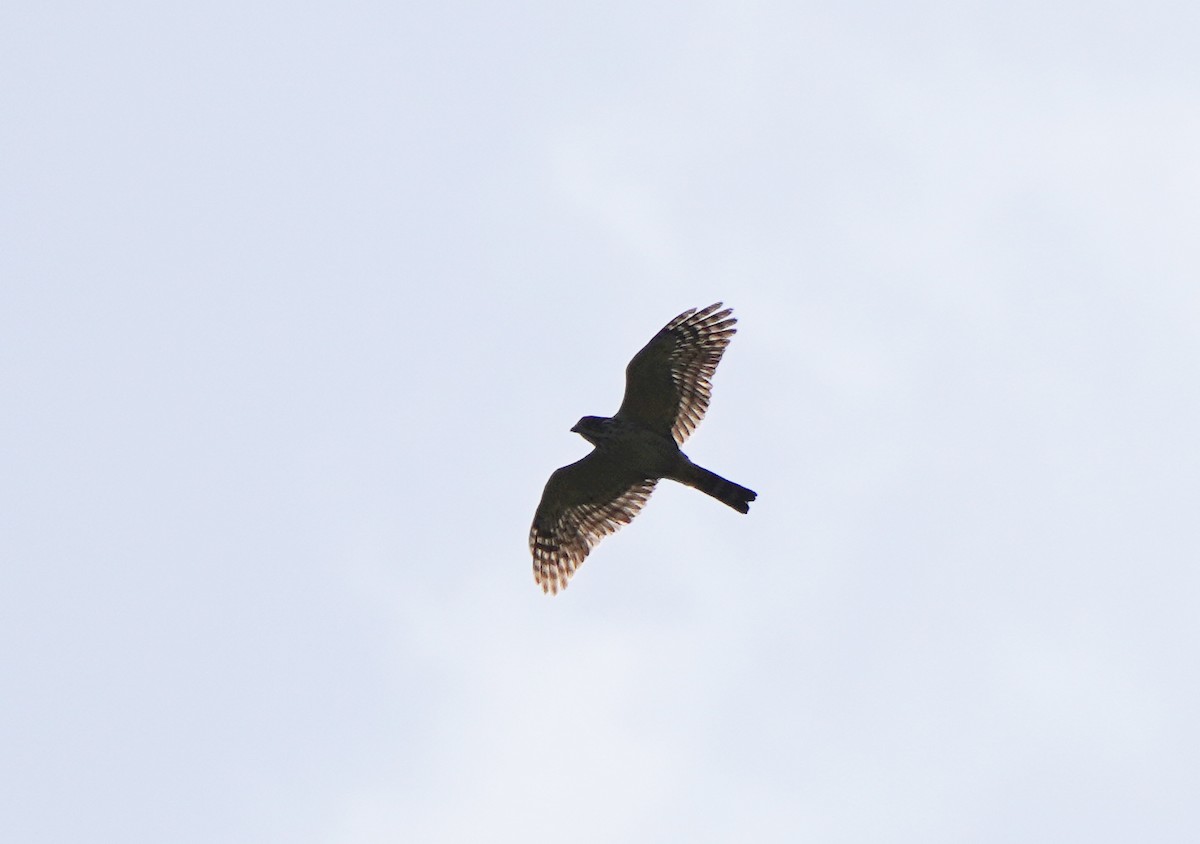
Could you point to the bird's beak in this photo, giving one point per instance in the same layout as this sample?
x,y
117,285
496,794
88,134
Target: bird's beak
x,y
575,428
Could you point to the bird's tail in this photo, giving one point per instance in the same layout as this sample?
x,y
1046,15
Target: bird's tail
x,y
727,492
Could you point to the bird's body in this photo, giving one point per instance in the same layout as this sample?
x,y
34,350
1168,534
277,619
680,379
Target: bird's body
x,y
630,442
667,391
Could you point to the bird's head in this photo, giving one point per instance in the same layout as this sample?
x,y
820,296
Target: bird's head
x,y
594,429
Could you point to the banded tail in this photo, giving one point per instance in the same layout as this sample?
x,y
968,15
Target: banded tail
x,y
727,492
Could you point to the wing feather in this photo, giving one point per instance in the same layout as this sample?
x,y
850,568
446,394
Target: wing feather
x,y
582,503
668,384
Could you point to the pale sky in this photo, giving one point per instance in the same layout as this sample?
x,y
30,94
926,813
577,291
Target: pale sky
x,y
299,303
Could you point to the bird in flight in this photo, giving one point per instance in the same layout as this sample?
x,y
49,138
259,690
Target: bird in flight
x,y
667,390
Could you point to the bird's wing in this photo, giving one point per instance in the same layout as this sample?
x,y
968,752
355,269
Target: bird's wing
x,y
582,503
667,384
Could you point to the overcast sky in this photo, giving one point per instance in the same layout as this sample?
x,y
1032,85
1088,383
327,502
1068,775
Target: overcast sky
x,y
298,304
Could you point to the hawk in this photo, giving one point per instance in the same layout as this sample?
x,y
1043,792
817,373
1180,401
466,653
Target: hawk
x,y
667,390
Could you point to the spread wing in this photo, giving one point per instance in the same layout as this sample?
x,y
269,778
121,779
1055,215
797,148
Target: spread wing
x,y
668,383
582,503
